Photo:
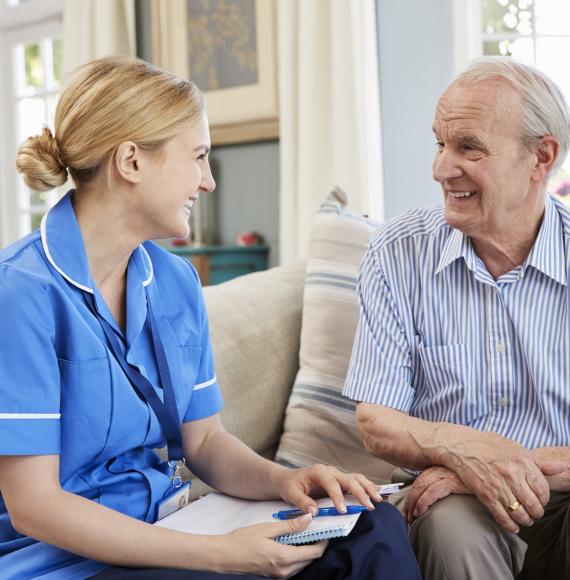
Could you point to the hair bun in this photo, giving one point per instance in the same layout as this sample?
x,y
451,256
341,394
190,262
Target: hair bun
x,y
40,162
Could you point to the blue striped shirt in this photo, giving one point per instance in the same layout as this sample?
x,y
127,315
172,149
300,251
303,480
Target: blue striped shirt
x,y
440,339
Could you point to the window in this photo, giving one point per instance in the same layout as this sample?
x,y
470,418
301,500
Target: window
x,y
31,74
535,32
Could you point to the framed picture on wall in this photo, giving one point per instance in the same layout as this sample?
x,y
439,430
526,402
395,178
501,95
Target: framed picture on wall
x,y
227,47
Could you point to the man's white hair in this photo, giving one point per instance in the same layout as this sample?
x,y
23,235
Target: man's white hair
x,y
545,110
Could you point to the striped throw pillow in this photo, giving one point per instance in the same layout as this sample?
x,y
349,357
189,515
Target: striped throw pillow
x,y
320,424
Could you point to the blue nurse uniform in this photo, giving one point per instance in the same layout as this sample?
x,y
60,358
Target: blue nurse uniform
x,y
62,391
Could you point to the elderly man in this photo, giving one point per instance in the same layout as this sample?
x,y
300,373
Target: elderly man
x,y
461,361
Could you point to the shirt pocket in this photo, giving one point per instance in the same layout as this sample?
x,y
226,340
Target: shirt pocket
x,y
451,393
85,409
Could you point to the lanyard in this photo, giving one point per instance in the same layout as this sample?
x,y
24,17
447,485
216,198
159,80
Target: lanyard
x,y
167,412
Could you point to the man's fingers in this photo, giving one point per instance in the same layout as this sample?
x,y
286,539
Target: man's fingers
x,y
521,516
536,482
552,467
501,516
528,499
432,494
423,482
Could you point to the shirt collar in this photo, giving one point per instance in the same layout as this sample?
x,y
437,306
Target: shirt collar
x,y
547,254
63,246
457,245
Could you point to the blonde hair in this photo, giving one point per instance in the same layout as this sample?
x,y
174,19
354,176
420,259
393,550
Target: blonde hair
x,y
107,102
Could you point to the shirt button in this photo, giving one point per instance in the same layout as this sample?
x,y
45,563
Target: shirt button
x,y
503,402
501,346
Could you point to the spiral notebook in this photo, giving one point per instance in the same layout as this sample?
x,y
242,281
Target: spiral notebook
x,y
220,514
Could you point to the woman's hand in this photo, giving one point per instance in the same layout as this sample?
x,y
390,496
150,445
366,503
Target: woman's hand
x,y
253,550
299,486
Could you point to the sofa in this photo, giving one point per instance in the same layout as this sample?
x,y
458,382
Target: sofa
x,y
268,351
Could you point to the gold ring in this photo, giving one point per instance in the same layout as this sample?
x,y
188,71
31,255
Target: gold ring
x,y
514,506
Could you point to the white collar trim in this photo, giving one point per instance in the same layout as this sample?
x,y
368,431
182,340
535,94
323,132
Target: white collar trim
x,y
51,260
71,280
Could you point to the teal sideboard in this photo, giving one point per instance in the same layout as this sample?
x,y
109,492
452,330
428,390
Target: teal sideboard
x,y
216,264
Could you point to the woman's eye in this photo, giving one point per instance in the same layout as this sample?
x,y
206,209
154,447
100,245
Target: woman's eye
x,y
439,145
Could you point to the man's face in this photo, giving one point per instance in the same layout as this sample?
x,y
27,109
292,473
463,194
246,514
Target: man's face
x,y
481,164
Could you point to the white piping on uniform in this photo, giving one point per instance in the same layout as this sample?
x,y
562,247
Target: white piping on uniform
x,y
206,384
68,278
30,415
149,261
51,260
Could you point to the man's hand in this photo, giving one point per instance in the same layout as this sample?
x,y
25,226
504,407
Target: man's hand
x,y
500,472
299,486
430,486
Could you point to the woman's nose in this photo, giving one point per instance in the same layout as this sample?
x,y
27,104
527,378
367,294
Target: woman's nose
x,y
208,183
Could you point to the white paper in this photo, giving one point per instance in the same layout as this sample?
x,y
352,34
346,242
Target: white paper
x,y
219,514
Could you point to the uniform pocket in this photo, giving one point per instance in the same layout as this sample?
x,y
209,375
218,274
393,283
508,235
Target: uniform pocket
x,y
452,393
85,409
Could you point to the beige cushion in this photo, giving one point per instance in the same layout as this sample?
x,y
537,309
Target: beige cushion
x,y
320,423
255,325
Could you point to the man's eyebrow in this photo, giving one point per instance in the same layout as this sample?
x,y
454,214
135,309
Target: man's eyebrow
x,y
468,140
473,141
204,148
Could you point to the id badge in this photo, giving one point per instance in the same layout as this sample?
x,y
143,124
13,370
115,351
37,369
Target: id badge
x,y
177,498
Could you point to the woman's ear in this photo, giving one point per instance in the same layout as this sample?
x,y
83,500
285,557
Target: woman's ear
x,y
127,162
546,151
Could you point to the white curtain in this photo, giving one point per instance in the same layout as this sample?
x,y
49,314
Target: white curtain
x,y
329,112
96,28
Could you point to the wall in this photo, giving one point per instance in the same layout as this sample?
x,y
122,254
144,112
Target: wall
x,y
247,192
416,64
247,176
415,41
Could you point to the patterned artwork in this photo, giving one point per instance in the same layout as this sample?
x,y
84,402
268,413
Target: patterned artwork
x,y
222,44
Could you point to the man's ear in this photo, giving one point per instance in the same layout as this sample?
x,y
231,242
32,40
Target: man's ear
x,y
127,162
546,151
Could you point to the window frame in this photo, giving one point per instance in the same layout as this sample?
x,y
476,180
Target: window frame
x,y
18,24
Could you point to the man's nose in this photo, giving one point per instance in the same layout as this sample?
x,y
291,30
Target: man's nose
x,y
446,166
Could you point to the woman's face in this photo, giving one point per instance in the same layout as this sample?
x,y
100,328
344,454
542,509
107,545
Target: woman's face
x,y
175,177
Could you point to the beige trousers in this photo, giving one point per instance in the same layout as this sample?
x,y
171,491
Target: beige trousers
x,y
458,539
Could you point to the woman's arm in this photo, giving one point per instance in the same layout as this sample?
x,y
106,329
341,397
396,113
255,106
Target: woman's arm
x,y
224,462
39,508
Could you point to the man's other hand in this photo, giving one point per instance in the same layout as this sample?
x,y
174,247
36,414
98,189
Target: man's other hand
x,y
429,487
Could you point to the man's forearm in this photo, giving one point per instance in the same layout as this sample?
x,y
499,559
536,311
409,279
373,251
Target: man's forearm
x,y
407,441
559,482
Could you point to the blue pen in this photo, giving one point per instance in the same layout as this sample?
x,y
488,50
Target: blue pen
x,y
328,511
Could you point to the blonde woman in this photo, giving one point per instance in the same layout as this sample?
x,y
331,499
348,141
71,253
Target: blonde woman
x,y
105,355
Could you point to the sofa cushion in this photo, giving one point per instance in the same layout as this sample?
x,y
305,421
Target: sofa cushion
x,y
255,325
320,424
